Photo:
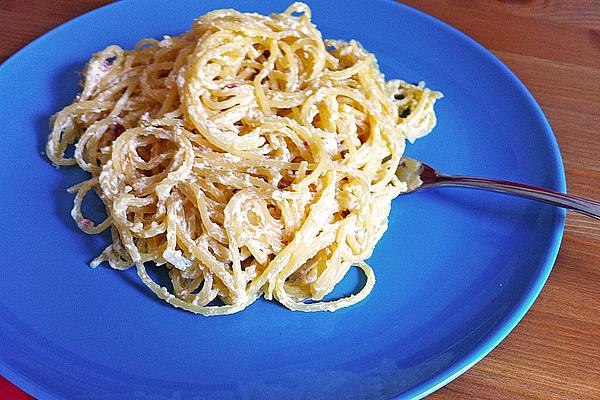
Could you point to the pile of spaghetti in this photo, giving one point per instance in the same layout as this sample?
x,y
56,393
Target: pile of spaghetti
x,y
248,156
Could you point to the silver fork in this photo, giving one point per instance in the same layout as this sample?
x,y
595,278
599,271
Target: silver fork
x,y
421,176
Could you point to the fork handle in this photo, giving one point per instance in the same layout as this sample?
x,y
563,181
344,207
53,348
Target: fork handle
x,y
584,206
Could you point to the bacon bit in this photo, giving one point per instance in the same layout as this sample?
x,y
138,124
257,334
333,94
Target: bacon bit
x,y
116,130
86,223
232,85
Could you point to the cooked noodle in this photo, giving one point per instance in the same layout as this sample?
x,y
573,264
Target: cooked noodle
x,y
248,156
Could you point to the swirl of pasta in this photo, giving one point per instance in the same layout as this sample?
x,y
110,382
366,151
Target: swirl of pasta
x,y
247,156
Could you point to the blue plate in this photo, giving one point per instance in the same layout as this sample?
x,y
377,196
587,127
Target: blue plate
x,y
456,270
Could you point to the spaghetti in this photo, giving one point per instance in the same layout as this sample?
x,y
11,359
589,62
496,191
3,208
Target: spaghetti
x,y
248,156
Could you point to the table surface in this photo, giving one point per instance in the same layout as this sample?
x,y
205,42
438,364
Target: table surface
x,y
554,48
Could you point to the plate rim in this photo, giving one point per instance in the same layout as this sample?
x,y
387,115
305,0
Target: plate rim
x,y
494,337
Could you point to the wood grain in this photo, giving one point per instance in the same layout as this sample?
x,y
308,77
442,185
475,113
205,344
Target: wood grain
x,y
554,48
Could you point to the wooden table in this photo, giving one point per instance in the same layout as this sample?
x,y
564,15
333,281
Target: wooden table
x,y
554,48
